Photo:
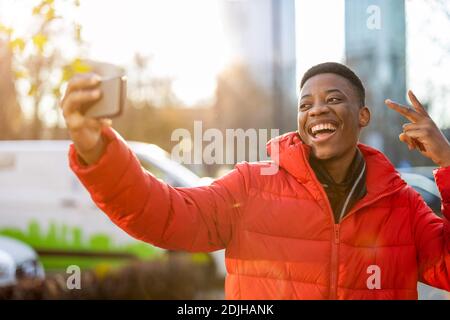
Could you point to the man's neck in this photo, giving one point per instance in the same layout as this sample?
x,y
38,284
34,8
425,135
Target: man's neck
x,y
337,168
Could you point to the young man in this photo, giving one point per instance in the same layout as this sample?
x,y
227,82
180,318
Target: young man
x,y
335,222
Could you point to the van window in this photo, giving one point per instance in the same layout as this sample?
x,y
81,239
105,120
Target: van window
x,y
432,201
160,174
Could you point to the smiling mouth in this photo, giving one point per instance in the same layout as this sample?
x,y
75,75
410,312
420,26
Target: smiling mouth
x,y
322,131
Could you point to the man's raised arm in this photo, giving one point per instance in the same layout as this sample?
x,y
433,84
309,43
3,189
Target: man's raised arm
x,y
192,219
431,233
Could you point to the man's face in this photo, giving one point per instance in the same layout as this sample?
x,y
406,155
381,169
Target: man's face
x,y
329,116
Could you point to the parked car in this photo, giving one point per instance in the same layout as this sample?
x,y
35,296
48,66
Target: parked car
x,y
426,186
17,261
7,270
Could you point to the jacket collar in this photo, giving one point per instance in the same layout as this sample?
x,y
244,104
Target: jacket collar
x,y
290,153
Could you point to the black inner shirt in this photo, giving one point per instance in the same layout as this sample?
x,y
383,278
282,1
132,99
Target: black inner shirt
x,y
344,195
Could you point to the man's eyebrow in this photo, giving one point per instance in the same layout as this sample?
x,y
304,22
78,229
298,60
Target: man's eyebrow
x,y
326,91
305,96
334,90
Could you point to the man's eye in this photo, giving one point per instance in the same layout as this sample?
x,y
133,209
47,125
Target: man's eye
x,y
304,106
334,100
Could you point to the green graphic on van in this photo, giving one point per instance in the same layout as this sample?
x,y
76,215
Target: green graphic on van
x,y
63,245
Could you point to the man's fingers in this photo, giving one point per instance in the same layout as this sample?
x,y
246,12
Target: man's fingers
x,y
416,104
412,141
413,126
407,112
79,83
83,81
76,99
402,138
417,130
93,123
106,122
76,121
409,142
415,134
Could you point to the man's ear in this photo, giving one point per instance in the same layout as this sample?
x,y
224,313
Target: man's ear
x,y
364,117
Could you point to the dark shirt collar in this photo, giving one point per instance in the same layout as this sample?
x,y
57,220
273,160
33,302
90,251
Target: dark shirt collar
x,y
342,196
352,173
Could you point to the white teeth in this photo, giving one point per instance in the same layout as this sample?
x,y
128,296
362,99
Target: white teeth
x,y
323,126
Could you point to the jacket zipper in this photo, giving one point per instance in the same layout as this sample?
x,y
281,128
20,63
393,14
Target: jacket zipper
x,y
335,239
334,265
334,262
335,246
336,243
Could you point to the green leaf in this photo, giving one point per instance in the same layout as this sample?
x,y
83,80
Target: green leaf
x,y
78,32
40,40
50,15
17,43
56,91
32,91
6,30
20,74
36,10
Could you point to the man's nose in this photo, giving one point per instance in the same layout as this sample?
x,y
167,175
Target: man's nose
x,y
318,109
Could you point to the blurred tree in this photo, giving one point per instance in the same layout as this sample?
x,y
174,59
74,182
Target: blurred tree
x,y
146,122
240,102
39,67
145,87
10,112
141,64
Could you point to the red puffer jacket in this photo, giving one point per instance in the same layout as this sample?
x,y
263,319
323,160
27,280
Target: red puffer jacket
x,y
278,230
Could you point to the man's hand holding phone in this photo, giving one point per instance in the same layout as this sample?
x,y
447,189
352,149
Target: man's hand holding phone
x,y
82,93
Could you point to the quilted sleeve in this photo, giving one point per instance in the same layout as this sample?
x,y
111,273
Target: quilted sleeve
x,y
432,235
192,219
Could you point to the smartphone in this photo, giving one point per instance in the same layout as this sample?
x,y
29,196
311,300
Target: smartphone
x,y
113,100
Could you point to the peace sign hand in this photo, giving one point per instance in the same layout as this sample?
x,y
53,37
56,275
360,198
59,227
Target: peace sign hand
x,y
422,133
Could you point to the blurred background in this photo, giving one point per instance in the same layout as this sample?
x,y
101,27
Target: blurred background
x,y
228,63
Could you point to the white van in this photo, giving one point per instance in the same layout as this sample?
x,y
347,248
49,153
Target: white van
x,y
43,204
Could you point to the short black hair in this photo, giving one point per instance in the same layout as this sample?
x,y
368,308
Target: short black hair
x,y
341,70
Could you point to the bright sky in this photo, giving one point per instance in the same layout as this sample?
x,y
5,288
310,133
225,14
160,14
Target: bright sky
x,y
319,43
186,38
427,64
